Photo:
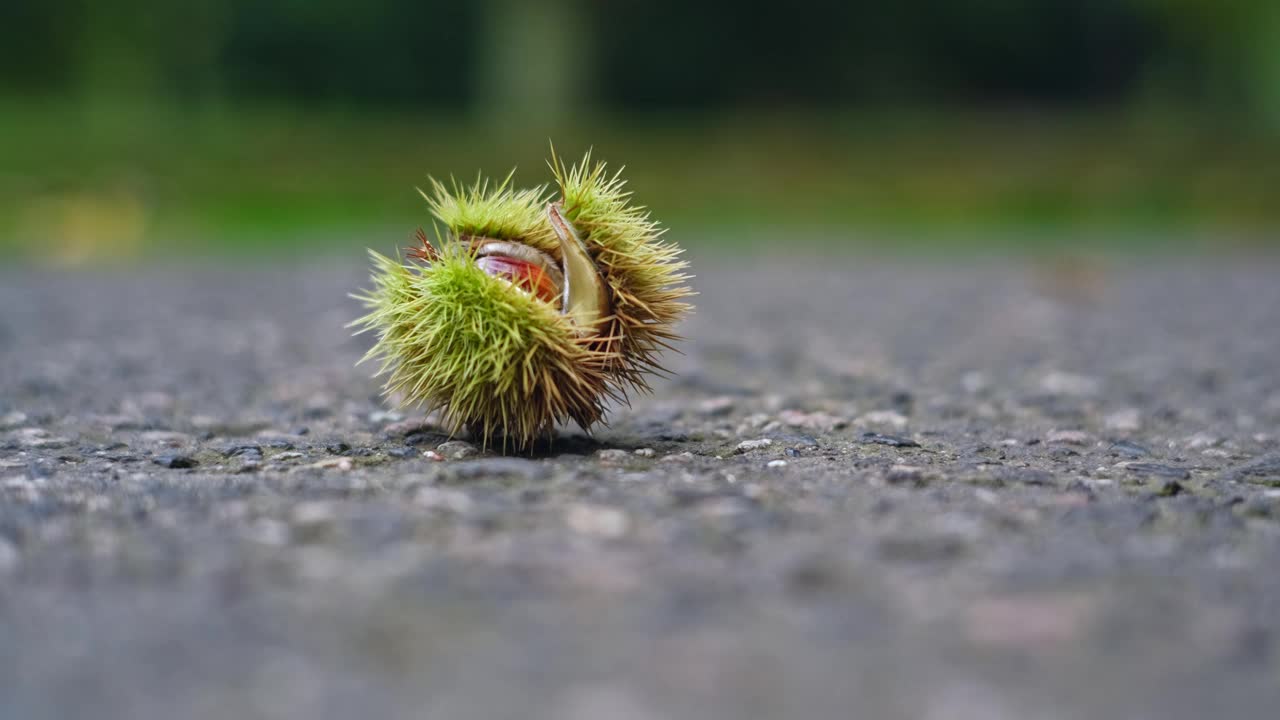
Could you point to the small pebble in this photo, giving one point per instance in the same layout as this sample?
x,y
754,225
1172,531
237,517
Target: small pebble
x,y
1156,469
335,463
1068,437
457,450
613,456
1128,449
754,423
1201,440
748,445
875,438
777,464
243,449
174,461
645,452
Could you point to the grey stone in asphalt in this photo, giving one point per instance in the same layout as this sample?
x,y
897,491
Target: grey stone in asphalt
x,y
981,497
175,461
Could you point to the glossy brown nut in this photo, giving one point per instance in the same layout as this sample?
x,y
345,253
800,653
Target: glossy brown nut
x,y
525,275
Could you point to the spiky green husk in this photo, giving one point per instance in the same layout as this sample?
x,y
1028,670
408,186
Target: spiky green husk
x,y
499,212
455,339
645,273
497,359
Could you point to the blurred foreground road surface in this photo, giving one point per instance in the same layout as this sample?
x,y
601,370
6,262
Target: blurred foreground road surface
x,y
871,490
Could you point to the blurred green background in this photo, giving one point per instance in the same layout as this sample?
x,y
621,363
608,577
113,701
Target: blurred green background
x,y
141,128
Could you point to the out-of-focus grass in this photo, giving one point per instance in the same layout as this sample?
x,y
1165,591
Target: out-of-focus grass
x,y
117,183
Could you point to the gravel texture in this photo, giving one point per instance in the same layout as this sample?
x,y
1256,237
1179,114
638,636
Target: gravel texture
x,y
872,490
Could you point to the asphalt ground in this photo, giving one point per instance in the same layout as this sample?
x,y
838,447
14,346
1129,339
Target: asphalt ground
x,y
870,489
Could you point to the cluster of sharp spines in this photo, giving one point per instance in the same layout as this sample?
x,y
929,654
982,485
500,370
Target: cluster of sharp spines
x,y
508,366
